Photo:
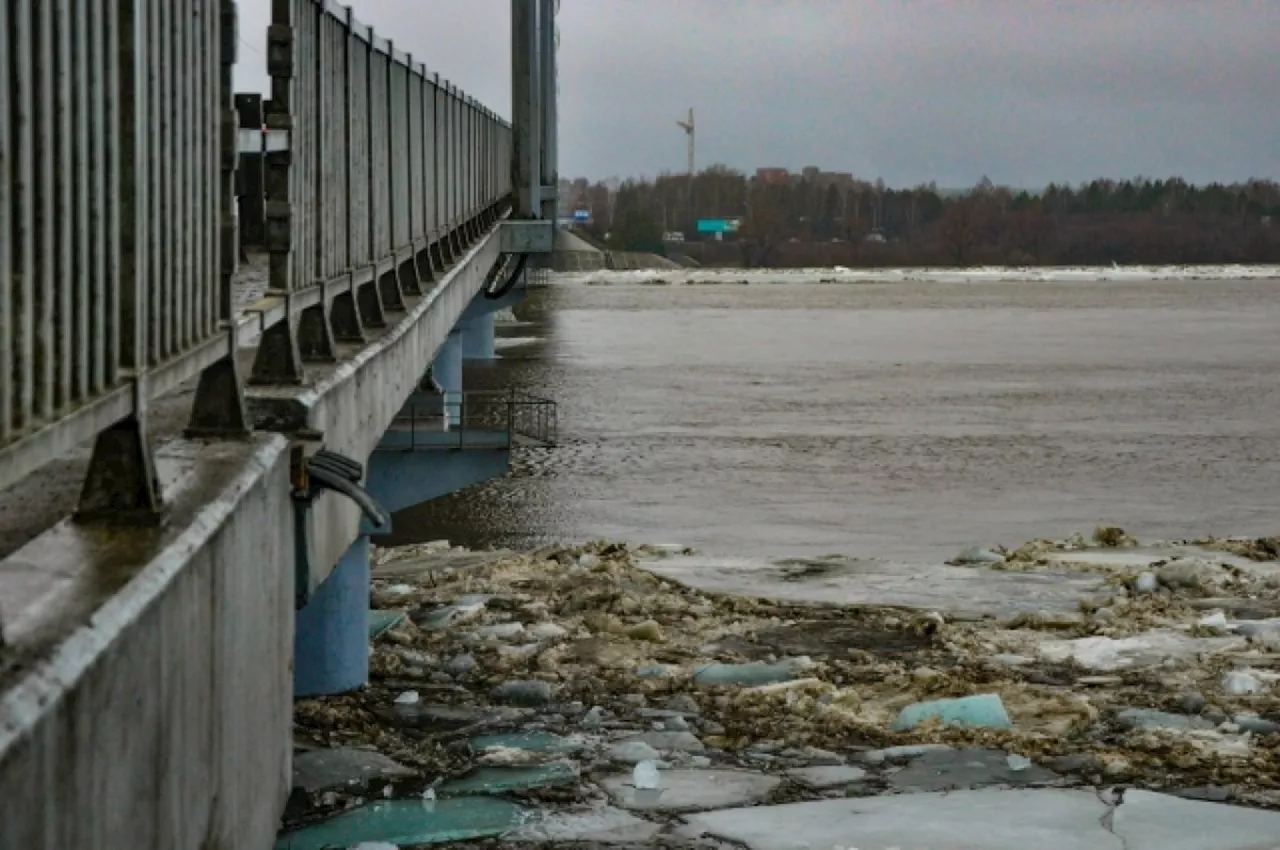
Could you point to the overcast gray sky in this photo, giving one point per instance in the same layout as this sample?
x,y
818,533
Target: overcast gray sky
x,y
1025,91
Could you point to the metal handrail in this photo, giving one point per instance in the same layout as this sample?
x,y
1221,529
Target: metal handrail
x,y
507,418
118,252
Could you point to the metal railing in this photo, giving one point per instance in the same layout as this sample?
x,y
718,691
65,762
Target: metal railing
x,y
118,243
383,156
116,169
470,420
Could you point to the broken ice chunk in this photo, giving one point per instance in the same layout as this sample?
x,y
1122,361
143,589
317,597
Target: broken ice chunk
x,y
977,555
1216,620
1240,682
645,777
984,710
753,673
1017,762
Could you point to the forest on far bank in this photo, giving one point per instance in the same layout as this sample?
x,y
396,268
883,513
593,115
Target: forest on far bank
x,y
816,222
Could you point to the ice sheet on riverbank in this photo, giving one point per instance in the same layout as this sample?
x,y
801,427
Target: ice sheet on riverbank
x,y
985,274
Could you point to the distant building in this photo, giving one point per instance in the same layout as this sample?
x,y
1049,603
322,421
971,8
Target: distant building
x,y
773,176
842,180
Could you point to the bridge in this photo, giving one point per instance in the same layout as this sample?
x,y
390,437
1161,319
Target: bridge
x,y
200,434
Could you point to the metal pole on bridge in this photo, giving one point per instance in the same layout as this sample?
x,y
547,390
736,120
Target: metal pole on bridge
x,y
547,116
525,96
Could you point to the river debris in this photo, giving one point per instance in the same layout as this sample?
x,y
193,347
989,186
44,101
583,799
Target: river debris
x,y
550,680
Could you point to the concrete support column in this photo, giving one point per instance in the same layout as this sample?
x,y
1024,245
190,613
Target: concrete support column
x,y
331,638
477,338
447,369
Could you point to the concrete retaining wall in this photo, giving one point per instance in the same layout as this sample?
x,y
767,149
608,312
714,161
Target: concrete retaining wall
x,y
162,720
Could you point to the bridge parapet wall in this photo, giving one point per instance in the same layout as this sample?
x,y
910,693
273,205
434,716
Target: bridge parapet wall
x,y
160,716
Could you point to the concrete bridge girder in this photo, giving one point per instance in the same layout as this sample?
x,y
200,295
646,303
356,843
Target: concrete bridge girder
x,y
350,405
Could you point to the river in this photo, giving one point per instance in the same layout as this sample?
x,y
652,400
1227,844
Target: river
x,y
900,420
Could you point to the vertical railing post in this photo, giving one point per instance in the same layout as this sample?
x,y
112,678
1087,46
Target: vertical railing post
x,y
376,173
370,141
411,173
278,360
314,335
121,481
437,177
547,117
218,409
472,159
450,172
389,144
348,132
345,321
443,226
319,149
249,189
9,206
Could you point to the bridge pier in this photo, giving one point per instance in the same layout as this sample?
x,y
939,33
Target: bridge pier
x,y
408,467
447,370
478,338
477,323
331,636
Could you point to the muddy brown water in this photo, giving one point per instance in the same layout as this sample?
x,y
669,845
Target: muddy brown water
x,y
898,420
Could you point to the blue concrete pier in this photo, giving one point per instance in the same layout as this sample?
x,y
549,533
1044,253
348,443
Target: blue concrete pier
x,y
331,637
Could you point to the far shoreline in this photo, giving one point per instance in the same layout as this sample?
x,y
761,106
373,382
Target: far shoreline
x,y
928,274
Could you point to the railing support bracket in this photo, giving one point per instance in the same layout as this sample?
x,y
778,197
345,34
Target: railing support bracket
x,y
426,270
219,409
278,361
389,290
370,303
121,484
345,318
409,277
315,335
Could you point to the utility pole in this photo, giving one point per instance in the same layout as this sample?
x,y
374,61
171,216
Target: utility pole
x,y
534,176
688,128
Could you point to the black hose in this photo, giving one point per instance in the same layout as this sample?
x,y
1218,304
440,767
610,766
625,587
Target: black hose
x,y
348,488
344,466
511,281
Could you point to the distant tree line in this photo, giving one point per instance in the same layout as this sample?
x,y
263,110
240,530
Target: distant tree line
x,y
801,221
